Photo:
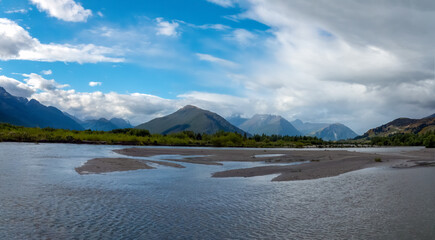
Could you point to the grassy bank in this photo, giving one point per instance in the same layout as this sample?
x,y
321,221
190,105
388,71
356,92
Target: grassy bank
x,y
13,133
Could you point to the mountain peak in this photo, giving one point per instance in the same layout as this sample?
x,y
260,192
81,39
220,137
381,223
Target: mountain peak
x,y
189,107
336,131
190,118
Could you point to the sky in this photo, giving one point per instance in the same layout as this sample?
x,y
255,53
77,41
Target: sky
x,y
360,63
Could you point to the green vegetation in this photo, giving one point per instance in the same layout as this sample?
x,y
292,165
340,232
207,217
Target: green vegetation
x,y
130,136
406,139
378,159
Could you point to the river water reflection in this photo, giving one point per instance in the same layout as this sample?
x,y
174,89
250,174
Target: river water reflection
x,y
41,196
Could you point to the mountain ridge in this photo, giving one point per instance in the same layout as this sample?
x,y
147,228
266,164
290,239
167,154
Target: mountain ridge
x,y
403,125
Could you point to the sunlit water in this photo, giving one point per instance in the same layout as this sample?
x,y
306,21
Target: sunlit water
x,y
41,196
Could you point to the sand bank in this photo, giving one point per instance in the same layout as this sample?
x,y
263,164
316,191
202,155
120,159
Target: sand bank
x,y
321,163
104,165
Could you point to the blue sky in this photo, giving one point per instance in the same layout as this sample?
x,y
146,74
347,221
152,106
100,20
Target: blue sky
x,y
167,74
361,64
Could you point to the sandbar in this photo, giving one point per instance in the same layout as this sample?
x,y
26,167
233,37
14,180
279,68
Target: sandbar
x,y
320,163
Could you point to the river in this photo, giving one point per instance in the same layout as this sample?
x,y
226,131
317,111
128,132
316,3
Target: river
x,y
42,197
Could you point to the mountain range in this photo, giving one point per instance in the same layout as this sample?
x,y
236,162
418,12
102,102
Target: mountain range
x,y
272,124
190,118
103,124
22,112
31,113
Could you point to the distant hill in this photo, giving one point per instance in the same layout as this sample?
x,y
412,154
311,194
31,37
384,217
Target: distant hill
x,y
236,120
325,131
190,118
307,128
334,132
19,111
403,125
121,123
103,124
269,125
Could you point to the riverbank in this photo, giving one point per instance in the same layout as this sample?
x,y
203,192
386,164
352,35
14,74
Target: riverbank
x,y
319,163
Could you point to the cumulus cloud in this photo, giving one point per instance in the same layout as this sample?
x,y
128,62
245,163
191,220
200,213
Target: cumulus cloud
x,y
16,43
223,3
47,72
166,28
94,84
213,59
66,10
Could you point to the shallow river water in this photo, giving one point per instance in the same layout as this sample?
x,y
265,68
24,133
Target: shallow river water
x,y
42,197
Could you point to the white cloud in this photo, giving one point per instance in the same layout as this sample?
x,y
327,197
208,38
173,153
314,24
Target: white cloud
x,y
47,72
223,3
37,82
16,43
94,84
219,27
100,14
166,28
242,37
213,59
66,10
22,11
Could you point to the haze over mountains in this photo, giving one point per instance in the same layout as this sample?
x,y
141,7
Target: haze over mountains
x,y
269,125
307,128
103,124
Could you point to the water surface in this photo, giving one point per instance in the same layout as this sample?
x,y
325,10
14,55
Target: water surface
x,y
41,196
